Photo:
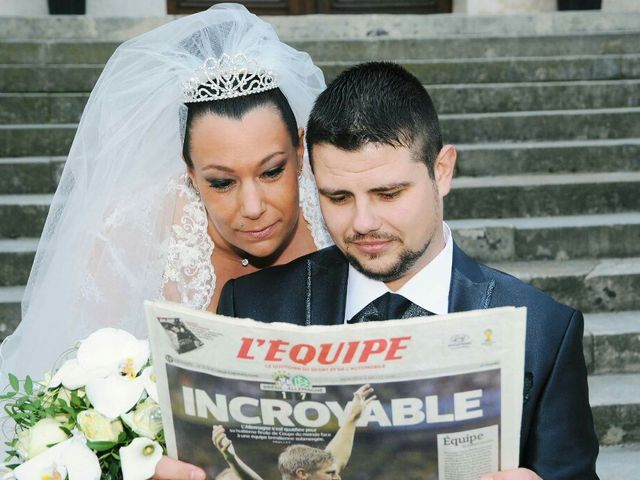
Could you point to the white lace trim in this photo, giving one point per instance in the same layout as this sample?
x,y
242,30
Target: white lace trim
x,y
310,204
189,269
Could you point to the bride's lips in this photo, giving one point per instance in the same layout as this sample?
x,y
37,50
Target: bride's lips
x,y
261,234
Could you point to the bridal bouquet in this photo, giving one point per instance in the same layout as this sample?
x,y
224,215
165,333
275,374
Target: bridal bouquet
x,y
96,417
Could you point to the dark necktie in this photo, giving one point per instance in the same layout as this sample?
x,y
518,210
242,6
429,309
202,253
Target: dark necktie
x,y
389,306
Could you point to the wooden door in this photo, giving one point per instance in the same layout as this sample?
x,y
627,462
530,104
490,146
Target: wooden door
x,y
300,7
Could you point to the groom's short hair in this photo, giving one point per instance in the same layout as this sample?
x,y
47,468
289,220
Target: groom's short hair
x,y
376,102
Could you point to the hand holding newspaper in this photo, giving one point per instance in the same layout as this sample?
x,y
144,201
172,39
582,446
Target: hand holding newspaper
x,y
437,397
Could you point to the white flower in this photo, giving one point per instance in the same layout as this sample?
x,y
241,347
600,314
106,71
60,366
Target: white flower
x,y
114,395
107,365
138,460
35,440
105,352
148,376
98,428
145,420
70,459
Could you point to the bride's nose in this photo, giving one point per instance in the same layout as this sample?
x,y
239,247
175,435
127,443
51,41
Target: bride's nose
x,y
252,201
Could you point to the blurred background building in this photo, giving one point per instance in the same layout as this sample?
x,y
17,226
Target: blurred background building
x,y
153,8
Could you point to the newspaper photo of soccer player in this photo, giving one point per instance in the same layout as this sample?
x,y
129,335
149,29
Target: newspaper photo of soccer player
x,y
182,339
407,426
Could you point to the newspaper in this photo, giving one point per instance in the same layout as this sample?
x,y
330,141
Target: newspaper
x,y
438,397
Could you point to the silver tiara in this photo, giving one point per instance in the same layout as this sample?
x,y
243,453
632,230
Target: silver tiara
x,y
228,77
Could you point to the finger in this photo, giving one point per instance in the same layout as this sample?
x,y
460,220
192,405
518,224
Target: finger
x,y
370,399
361,389
170,469
517,474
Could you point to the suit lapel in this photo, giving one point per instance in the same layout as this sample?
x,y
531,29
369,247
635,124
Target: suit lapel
x,y
470,290
326,288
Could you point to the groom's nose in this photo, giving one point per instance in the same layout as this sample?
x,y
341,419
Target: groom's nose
x,y
365,219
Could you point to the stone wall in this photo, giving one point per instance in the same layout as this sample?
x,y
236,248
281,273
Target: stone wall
x,y
491,7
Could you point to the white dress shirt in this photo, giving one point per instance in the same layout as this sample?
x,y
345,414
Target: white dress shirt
x,y
429,288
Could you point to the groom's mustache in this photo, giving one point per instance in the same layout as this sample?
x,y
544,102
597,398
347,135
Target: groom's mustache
x,y
371,237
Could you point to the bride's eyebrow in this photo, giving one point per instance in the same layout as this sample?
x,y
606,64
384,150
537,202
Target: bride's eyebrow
x,y
222,168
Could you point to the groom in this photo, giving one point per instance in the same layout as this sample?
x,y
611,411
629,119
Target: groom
x,y
382,172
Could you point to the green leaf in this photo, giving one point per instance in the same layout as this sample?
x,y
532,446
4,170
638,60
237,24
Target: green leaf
x,y
101,446
15,383
28,385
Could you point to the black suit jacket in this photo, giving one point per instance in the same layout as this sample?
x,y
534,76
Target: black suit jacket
x,y
557,438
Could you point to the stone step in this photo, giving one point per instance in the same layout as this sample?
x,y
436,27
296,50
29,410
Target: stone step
x,y
615,402
80,77
30,174
10,298
23,215
548,157
49,78
549,238
612,342
16,258
619,462
36,139
543,195
590,285
458,98
606,123
373,47
531,96
511,69
23,108
594,124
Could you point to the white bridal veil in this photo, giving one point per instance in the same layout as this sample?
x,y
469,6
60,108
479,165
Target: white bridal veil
x,y
120,208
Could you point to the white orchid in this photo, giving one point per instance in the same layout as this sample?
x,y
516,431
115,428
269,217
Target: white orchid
x,y
107,365
148,376
70,459
138,460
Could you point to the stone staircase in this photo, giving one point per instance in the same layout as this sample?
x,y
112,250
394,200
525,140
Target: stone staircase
x,y
545,112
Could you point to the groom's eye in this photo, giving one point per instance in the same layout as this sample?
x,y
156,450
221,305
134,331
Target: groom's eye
x,y
337,199
390,195
220,184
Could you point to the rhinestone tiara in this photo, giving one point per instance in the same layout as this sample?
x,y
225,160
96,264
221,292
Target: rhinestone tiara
x,y
228,77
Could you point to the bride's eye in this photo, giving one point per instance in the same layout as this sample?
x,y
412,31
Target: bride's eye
x,y
273,173
221,184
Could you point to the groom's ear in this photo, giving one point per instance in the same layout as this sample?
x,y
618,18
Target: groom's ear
x,y
443,169
300,150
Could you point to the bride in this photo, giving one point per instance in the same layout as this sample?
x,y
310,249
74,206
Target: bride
x,y
187,170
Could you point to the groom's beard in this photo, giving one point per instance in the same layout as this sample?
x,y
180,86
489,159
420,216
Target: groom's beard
x,y
405,262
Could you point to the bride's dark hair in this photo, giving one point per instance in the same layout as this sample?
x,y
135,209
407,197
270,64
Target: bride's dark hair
x,y
236,108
